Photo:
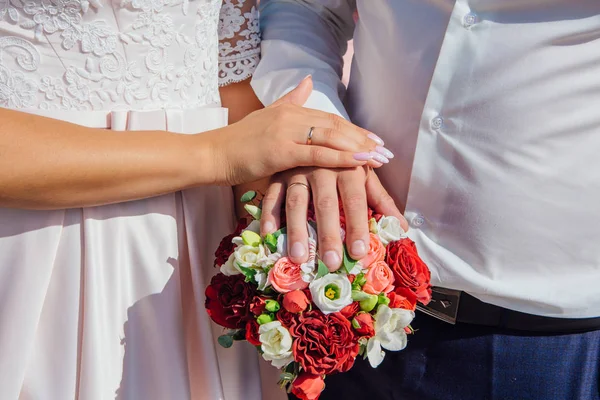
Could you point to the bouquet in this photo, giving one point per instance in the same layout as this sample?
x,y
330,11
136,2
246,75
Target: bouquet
x,y
306,321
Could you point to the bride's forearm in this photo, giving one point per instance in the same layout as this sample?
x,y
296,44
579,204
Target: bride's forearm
x,y
50,164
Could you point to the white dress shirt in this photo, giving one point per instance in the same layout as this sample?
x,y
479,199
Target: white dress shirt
x,y
492,108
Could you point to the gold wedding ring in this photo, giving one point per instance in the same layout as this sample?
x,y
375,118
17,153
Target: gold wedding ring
x,y
304,185
310,135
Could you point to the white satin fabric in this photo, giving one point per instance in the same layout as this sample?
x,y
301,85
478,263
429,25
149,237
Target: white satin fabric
x,y
107,302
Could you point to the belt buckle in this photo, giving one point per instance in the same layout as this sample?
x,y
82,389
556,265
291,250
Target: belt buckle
x,y
443,304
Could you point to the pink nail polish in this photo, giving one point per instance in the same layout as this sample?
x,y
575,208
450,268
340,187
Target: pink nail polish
x,y
298,250
384,152
363,156
378,157
375,138
332,259
306,77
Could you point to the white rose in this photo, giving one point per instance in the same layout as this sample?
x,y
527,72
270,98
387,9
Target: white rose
x,y
229,268
389,230
389,332
276,344
249,256
331,293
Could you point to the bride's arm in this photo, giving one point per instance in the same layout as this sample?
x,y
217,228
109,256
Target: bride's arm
x,y
49,164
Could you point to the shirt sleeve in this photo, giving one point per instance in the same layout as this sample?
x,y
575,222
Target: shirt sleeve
x,y
302,37
239,40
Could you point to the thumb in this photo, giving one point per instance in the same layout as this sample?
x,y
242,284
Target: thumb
x,y
299,95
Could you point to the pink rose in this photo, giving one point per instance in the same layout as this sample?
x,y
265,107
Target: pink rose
x,y
295,301
380,279
286,276
376,252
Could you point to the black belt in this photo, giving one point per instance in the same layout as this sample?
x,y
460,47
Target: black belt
x,y
454,306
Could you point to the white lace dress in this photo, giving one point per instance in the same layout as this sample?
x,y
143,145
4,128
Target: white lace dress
x,y
107,302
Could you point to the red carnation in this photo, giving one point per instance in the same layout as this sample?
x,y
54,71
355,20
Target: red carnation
x,y
288,319
409,270
324,344
226,248
228,300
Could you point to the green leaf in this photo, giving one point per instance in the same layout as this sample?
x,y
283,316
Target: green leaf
x,y
225,341
280,232
248,196
349,263
271,242
240,334
249,273
286,376
322,271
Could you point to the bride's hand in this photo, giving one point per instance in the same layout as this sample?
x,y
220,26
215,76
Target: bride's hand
x,y
275,139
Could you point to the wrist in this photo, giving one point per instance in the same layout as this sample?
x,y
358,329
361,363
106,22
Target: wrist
x,y
204,164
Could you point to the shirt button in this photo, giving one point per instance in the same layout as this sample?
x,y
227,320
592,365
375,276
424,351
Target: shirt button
x,y
418,220
437,123
470,19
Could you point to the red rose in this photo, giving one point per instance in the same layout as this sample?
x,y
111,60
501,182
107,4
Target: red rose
x,y
404,298
324,344
228,300
409,270
365,323
308,386
257,305
252,332
351,310
226,248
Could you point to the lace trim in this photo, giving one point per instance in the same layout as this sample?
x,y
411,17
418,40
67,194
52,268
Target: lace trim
x,y
239,36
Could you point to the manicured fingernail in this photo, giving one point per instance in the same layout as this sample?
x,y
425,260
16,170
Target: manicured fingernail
x,y
269,227
332,259
306,77
376,164
379,157
375,138
363,156
384,152
359,248
298,250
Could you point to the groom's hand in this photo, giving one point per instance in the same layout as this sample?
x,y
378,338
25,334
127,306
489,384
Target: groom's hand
x,y
326,185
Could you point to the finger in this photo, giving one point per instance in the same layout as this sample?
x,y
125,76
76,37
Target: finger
x,y
296,209
299,95
379,199
325,199
354,198
272,203
331,122
330,130
318,156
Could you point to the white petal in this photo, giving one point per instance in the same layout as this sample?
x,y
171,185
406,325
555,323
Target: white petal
x,y
282,245
404,317
394,341
374,352
382,317
254,226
